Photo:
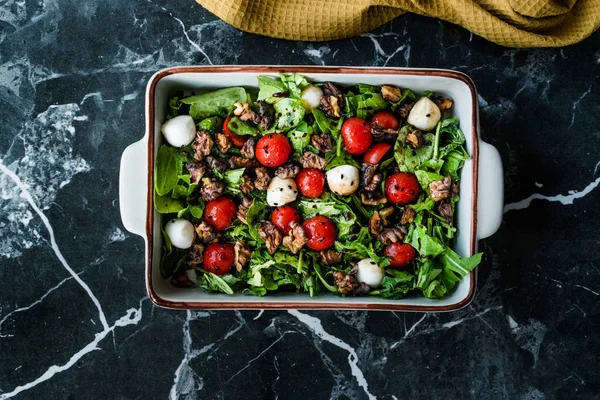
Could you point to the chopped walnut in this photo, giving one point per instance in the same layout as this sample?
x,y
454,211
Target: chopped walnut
x,y
270,234
180,279
367,172
439,190
262,178
332,100
296,238
445,210
378,220
311,160
443,104
202,145
322,142
196,171
242,255
205,232
287,171
247,184
210,189
392,235
415,139
243,209
408,216
380,133
331,257
361,289
405,108
266,113
374,184
216,163
345,283
391,93
241,162
372,198
247,150
195,254
245,113
223,143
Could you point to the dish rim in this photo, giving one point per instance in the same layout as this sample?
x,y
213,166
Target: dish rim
x,y
315,304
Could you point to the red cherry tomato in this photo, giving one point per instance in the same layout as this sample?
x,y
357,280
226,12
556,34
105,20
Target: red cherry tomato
x,y
310,182
320,231
273,150
385,120
402,188
220,213
283,216
218,258
357,135
376,153
236,140
401,254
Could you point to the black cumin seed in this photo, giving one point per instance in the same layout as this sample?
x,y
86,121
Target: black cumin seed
x,y
281,189
428,115
290,186
342,176
351,183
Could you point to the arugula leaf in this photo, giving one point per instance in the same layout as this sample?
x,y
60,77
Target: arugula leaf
x,y
215,283
362,247
174,107
339,212
299,139
425,244
407,158
167,169
407,95
213,103
241,128
231,180
453,162
395,285
295,83
331,287
167,204
461,265
269,86
326,124
425,178
290,113
212,124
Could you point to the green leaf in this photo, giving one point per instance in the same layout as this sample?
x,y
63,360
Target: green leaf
x,y
396,284
212,124
425,178
232,180
299,140
269,86
326,124
290,113
424,244
453,162
407,95
167,204
408,158
461,265
340,213
197,210
167,169
332,288
294,83
368,104
241,128
214,103
214,283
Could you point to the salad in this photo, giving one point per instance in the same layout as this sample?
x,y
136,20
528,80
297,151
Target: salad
x,y
311,187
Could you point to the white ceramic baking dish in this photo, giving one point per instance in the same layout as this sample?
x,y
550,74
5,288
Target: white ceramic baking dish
x,y
481,191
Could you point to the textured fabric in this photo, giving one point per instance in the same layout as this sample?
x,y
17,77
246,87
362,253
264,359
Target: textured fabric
x,y
515,23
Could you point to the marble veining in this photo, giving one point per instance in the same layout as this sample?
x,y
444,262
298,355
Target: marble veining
x,y
75,321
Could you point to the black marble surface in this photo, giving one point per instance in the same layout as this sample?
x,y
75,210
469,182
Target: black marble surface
x,y
75,321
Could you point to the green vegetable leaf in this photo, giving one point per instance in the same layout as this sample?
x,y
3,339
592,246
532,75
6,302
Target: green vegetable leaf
x,y
425,178
340,213
425,244
408,158
242,128
290,113
396,284
215,283
461,265
167,169
167,204
214,103
295,83
232,180
299,140
269,86
212,124
407,95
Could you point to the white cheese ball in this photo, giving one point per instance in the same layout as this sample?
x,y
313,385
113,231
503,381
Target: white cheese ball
x,y
181,232
370,273
179,131
281,191
424,115
343,180
311,96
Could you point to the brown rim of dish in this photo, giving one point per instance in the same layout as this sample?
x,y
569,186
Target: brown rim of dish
x,y
316,305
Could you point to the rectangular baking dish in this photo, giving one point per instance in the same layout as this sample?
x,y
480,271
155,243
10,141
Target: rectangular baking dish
x,y
479,212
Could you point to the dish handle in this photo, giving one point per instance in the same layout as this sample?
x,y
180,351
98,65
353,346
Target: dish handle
x,y
133,187
490,200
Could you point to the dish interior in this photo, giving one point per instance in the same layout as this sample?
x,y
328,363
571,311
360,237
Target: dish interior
x,y
198,82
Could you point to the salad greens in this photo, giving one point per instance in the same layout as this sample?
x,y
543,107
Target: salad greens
x,y
434,272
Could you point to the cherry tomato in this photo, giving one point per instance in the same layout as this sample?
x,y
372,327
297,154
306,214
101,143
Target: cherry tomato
x,y
376,153
402,188
320,231
283,216
310,182
401,254
236,140
357,135
220,212
218,258
385,120
273,150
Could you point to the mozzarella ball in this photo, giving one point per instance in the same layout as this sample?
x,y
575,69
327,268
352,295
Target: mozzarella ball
x,y
281,191
181,232
311,97
424,115
179,131
370,273
343,180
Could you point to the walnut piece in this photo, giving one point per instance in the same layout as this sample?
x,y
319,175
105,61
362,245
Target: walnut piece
x,y
331,257
287,171
408,216
202,145
196,171
322,142
241,162
180,279
311,160
245,113
210,189
391,93
332,100
415,139
270,235
243,209
247,150
223,143
378,220
380,133
296,238
404,109
372,198
439,190
216,163
443,104
195,254
247,184
205,232
367,172
262,178
266,113
445,210
392,235
345,283
242,255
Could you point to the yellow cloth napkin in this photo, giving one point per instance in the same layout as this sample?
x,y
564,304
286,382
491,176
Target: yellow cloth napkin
x,y
515,23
